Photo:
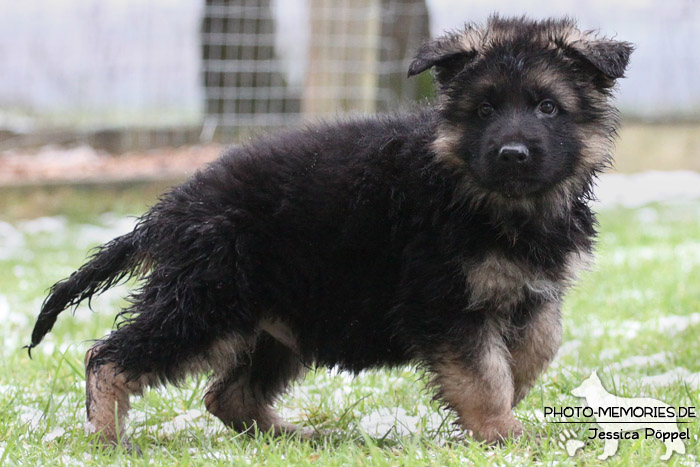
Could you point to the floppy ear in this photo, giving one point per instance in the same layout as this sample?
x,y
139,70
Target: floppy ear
x,y
446,54
607,58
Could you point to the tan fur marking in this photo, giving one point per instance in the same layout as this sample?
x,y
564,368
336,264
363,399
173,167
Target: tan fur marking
x,y
597,147
536,347
107,386
481,395
501,282
223,354
444,147
108,399
239,403
561,89
281,333
238,406
477,38
472,39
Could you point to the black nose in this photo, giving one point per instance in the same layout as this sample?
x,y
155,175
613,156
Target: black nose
x,y
514,153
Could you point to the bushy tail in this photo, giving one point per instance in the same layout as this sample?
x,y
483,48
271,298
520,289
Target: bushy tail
x,y
113,262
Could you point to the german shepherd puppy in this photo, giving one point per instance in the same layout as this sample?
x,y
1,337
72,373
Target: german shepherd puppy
x,y
444,237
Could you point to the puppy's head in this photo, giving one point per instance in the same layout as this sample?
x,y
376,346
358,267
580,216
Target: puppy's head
x,y
524,104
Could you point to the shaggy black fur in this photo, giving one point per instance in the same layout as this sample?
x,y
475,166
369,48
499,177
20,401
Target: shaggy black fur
x,y
379,241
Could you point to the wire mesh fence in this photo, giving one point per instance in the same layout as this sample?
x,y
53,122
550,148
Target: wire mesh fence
x,y
356,55
202,68
221,65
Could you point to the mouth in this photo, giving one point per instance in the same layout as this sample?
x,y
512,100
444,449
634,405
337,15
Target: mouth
x,y
513,187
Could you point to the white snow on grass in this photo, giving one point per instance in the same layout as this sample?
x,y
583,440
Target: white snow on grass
x,y
676,376
30,416
8,315
397,421
636,295
180,422
567,348
110,226
674,324
43,225
54,434
192,419
638,361
383,421
636,190
11,241
629,329
686,255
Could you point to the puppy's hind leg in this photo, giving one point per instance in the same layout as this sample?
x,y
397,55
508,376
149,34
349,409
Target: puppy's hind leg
x,y
242,396
107,402
172,332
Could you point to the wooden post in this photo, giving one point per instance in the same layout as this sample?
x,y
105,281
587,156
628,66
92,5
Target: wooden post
x,y
343,56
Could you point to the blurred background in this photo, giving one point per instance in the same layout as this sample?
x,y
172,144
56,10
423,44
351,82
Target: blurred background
x,y
162,83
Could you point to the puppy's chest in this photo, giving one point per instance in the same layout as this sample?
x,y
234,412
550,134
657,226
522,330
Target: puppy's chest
x,y
501,283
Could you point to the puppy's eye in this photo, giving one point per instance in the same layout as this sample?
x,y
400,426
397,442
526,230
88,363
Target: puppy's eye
x,y
485,110
547,107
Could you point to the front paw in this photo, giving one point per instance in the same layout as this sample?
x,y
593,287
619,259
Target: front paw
x,y
496,431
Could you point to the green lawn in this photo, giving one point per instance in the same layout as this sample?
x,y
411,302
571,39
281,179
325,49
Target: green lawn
x,y
641,299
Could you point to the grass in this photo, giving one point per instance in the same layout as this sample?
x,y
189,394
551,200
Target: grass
x,y
640,300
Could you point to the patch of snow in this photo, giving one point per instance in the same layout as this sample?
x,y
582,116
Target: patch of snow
x,y
397,421
539,415
674,324
7,315
569,347
641,361
44,225
30,416
292,414
608,354
19,271
53,434
637,295
686,254
565,349
678,375
213,455
47,347
383,421
433,419
11,240
191,418
89,428
75,461
180,422
629,329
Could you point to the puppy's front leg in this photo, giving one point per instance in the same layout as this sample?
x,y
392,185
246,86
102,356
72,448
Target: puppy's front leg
x,y
480,390
534,347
